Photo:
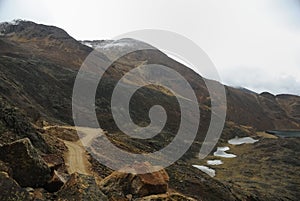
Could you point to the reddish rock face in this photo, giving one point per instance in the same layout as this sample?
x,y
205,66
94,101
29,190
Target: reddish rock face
x,y
53,160
138,185
150,183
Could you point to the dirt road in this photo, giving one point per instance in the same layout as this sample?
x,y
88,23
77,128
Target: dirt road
x,y
77,158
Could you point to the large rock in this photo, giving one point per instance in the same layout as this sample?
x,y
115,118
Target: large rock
x,y
80,188
54,161
10,189
120,184
28,167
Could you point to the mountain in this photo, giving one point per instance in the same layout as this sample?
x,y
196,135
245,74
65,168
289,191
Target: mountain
x,y
246,90
38,66
55,57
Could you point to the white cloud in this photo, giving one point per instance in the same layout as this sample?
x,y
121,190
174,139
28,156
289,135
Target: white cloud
x,y
260,80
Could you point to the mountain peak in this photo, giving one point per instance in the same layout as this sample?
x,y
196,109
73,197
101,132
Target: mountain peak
x,y
29,30
123,42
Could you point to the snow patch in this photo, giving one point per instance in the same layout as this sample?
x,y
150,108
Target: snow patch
x,y
87,44
214,162
211,172
243,140
223,148
221,153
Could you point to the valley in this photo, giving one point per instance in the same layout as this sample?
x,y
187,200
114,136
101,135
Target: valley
x,y
43,156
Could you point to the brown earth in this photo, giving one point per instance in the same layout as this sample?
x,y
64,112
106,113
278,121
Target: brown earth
x,y
38,66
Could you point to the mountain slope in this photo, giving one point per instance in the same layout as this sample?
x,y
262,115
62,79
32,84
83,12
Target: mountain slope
x,y
38,66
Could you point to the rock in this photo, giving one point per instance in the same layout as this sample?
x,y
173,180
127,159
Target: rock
x,y
40,194
29,169
13,119
10,189
166,197
55,183
150,183
54,161
129,196
80,188
120,184
5,168
29,190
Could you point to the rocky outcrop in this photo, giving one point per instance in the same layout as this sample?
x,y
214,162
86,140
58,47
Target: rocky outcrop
x,y
29,169
80,188
120,184
10,189
13,120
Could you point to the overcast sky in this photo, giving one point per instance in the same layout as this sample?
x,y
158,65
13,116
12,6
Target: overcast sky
x,y
253,43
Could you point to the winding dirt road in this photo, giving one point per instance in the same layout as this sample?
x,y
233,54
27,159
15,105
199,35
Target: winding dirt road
x,y
77,158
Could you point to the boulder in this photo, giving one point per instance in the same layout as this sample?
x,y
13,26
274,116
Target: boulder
x,y
10,189
56,182
150,183
120,184
80,188
28,168
54,161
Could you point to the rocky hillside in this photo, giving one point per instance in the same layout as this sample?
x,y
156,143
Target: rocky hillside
x,y
38,66
50,57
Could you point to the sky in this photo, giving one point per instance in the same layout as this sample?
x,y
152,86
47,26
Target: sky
x,y
253,43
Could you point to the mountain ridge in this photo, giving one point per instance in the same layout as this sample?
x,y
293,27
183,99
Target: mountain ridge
x,y
37,72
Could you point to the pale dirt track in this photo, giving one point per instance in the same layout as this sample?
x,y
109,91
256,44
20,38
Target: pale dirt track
x,y
77,158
